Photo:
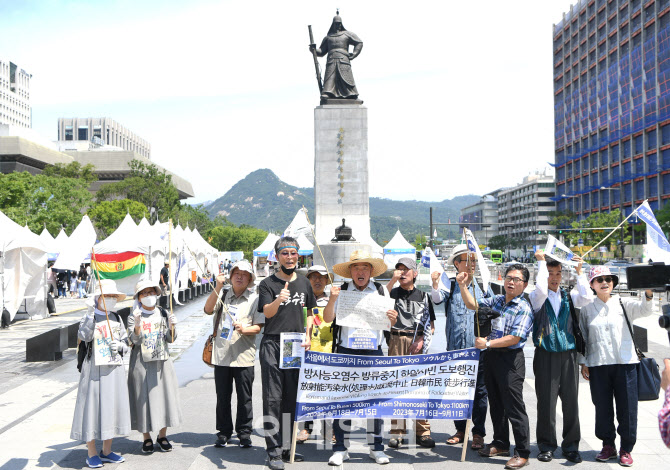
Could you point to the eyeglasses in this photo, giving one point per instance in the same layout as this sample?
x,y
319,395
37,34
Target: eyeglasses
x,y
288,253
515,280
600,279
465,260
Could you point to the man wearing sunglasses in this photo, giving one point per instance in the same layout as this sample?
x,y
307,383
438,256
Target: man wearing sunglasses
x,y
505,363
555,325
281,298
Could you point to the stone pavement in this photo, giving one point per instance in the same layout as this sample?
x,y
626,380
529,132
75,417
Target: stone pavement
x,y
37,402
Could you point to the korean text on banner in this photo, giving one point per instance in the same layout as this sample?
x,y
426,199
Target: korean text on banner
x,y
431,386
363,310
559,251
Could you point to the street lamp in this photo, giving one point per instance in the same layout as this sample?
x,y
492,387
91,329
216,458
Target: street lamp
x,y
620,212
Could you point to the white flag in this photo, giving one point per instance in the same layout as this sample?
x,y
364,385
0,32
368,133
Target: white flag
x,y
483,268
658,248
559,251
433,265
298,225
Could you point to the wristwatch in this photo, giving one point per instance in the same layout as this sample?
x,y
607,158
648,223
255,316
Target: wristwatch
x,y
488,345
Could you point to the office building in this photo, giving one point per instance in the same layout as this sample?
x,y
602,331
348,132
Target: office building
x,y
100,131
481,218
14,95
612,106
524,211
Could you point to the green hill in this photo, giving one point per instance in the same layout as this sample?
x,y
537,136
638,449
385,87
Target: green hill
x,y
262,200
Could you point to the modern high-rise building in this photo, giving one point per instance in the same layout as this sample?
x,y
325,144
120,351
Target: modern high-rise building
x,y
612,105
102,131
481,218
14,95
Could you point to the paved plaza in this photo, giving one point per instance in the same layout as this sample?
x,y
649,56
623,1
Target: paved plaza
x,y
37,402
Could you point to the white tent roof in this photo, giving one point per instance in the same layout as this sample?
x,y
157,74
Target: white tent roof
x,y
127,237
48,240
398,244
60,241
267,245
298,225
78,246
14,236
306,247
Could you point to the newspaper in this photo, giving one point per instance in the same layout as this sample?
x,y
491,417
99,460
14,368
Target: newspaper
x,y
365,310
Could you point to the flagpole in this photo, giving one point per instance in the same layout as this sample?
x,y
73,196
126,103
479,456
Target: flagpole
x,y
170,272
330,278
608,235
102,296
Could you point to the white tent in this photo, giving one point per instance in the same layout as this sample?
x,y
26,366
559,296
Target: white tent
x,y
398,248
49,243
128,237
22,269
306,247
298,226
78,246
263,251
60,241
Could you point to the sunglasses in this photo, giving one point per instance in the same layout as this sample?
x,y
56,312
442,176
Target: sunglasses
x,y
601,279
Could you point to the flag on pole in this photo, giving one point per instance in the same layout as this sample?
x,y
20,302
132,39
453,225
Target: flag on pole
x,y
473,247
559,251
658,248
118,265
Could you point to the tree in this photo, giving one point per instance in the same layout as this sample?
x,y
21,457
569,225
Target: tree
x,y
419,242
562,219
499,242
195,217
663,219
72,170
148,185
230,238
596,221
106,216
40,201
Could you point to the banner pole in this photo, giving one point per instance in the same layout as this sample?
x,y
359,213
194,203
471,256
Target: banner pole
x,y
466,439
102,296
325,264
608,235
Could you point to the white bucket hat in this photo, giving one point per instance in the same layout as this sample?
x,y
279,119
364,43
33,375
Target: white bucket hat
x,y
244,265
143,284
106,287
456,252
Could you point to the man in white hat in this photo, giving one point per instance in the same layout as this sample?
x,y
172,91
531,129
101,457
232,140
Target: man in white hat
x,y
233,355
460,335
360,268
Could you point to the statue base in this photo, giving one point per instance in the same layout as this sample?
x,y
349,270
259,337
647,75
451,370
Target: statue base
x,y
327,101
335,253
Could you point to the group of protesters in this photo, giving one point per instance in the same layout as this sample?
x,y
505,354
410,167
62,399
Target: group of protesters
x,y
286,302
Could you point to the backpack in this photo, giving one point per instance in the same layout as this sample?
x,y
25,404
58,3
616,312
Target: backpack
x,y
337,329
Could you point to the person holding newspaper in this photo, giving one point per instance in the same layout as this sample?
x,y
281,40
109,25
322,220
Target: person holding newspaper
x,y
286,300
555,364
460,335
410,335
358,341
234,351
505,363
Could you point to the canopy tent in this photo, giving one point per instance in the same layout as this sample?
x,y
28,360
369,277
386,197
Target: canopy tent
x,y
263,251
298,226
23,265
78,246
306,247
60,241
398,248
50,244
130,254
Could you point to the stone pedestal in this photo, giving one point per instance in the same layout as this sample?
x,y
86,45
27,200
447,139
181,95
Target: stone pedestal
x,y
335,253
341,180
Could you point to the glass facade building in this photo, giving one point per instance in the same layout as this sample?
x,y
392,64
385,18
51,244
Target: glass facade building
x,y
612,106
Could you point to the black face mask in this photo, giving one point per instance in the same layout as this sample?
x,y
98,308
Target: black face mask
x,y
286,271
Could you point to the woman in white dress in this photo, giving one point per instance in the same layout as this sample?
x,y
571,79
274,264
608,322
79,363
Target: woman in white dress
x,y
102,411
152,381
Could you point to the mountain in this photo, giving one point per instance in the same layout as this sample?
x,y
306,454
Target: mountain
x,y
262,200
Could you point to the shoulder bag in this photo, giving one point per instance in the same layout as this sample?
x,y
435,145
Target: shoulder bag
x,y
648,375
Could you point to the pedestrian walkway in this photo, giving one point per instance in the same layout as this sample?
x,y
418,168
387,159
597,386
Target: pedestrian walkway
x,y
38,404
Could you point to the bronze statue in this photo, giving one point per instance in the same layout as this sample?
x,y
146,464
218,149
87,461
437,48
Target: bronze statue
x,y
338,81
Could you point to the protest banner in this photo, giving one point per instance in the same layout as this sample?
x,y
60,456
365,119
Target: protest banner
x,y
559,251
429,386
363,310
658,248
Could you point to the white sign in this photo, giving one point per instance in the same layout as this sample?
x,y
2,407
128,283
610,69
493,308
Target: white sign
x,y
559,251
367,310
102,340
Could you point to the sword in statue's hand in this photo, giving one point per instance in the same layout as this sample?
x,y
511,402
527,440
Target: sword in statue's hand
x,y
312,47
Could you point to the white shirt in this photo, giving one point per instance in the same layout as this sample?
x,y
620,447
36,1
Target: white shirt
x,y
347,331
607,337
581,294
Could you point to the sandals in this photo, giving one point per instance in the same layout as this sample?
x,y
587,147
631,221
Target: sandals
x,y
148,446
456,438
164,443
477,442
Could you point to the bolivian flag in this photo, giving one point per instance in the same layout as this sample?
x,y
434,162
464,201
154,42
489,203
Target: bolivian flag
x,y
118,265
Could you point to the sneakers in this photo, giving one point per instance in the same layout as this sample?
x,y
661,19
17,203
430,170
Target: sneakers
x,y
424,441
608,452
338,458
395,442
276,463
221,440
111,458
286,456
379,456
625,459
245,442
94,462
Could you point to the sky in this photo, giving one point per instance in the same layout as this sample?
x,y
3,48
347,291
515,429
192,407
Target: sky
x,y
459,93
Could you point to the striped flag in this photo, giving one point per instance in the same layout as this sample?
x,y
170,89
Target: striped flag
x,y
118,265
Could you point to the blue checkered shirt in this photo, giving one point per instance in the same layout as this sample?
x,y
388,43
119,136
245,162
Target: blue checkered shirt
x,y
518,316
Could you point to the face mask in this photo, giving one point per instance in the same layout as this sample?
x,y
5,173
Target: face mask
x,y
287,271
109,303
149,301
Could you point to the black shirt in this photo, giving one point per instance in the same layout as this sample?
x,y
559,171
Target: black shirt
x,y
165,276
288,318
410,306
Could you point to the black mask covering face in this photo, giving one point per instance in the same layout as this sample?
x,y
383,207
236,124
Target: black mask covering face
x,y
286,271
